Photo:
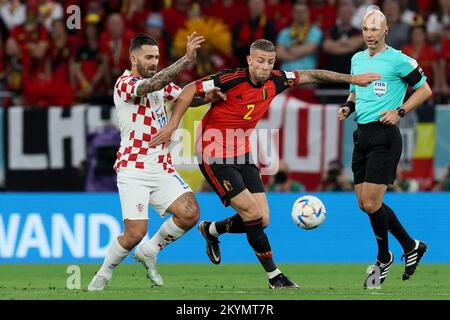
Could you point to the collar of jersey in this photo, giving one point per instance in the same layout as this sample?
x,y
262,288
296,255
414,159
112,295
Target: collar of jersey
x,y
371,57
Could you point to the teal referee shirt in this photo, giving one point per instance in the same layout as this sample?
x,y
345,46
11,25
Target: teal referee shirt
x,y
397,71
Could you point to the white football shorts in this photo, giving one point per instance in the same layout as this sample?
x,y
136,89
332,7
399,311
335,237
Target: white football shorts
x,y
138,189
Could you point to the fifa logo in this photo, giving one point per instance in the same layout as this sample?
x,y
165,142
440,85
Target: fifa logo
x,y
380,88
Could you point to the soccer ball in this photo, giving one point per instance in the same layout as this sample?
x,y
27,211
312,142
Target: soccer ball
x,y
308,212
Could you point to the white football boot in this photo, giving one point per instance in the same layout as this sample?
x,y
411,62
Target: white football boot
x,y
150,264
98,283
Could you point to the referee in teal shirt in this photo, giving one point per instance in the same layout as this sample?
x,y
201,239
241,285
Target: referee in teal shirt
x,y
377,140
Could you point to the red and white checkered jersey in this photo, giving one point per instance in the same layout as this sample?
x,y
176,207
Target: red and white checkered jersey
x,y
140,117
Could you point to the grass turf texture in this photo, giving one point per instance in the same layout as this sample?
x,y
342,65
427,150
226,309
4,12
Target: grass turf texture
x,y
228,282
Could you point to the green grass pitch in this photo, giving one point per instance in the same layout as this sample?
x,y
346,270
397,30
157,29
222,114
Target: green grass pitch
x,y
228,282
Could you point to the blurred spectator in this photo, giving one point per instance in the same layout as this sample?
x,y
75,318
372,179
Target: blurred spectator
x,y
13,13
213,54
27,47
251,27
361,7
60,58
398,32
95,7
438,20
114,44
88,67
175,16
342,42
281,182
444,63
323,13
230,11
425,55
334,178
409,10
154,26
50,11
135,15
402,184
53,87
444,184
3,69
298,44
279,11
102,149
113,6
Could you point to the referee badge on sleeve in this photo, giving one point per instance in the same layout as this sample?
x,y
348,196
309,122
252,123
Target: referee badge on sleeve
x,y
380,88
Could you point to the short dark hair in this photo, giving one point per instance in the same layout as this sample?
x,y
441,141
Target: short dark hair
x,y
262,44
142,39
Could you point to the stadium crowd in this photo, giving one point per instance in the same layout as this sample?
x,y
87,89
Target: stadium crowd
x,y
42,62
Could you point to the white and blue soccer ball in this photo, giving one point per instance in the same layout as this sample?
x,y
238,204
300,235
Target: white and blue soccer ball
x,y
308,212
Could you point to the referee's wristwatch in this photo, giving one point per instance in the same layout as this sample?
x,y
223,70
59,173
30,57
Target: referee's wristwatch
x,y
401,112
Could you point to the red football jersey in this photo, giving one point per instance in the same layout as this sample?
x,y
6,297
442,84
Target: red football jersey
x,y
227,126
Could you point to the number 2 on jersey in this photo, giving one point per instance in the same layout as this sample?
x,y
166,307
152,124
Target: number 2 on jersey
x,y
250,107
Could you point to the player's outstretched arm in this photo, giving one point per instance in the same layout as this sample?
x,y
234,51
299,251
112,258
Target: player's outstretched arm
x,y
347,108
167,75
323,76
415,100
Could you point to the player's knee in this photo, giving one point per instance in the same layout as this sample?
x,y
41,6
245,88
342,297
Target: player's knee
x,y
361,205
370,206
249,209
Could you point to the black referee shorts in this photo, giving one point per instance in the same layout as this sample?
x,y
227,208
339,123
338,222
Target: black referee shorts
x,y
229,177
376,153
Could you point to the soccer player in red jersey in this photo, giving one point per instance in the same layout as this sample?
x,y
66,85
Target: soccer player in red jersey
x,y
223,145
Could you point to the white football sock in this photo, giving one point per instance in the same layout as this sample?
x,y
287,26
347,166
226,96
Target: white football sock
x,y
167,233
115,255
212,230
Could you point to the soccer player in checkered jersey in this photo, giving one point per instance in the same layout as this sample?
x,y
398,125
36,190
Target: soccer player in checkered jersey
x,y
145,173
227,165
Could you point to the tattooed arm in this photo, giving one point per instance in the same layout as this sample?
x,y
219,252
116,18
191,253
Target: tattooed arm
x,y
163,78
167,75
323,76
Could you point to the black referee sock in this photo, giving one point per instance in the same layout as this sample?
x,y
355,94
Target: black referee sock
x,y
260,244
233,224
397,230
379,222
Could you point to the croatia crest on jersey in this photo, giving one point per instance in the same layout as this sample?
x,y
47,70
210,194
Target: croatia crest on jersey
x,y
380,88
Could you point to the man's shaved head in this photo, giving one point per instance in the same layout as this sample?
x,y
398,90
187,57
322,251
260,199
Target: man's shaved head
x,y
375,19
